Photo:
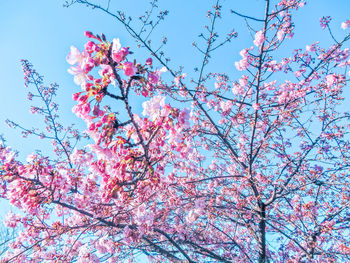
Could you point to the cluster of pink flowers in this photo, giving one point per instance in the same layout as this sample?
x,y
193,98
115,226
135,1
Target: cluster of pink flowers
x,y
324,21
259,38
86,62
244,63
345,24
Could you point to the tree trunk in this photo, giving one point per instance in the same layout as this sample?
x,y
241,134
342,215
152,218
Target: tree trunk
x,y
262,234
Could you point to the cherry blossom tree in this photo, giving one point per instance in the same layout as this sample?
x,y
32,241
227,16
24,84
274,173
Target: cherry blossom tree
x,y
214,169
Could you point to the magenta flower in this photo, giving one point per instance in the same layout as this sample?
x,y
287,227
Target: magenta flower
x,y
129,69
149,62
154,77
89,34
118,53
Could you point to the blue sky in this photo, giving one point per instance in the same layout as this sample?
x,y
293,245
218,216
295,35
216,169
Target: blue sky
x,y
42,31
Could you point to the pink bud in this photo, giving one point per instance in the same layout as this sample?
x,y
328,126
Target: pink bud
x,y
89,34
76,96
149,62
96,110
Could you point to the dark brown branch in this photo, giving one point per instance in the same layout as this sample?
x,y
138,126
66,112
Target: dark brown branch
x,y
249,17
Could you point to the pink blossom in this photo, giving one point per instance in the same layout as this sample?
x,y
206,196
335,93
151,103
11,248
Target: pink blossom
x,y
118,53
259,38
299,73
31,157
184,117
74,56
280,35
330,80
151,108
244,52
256,106
6,154
11,219
243,64
88,34
324,21
310,48
116,45
149,62
153,77
345,24
129,69
226,106
191,217
85,64
88,64
90,46
96,111
79,111
79,75
127,235
107,72
86,109
237,89
76,96
243,81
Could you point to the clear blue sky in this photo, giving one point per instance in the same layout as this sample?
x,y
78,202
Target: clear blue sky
x,y
42,31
